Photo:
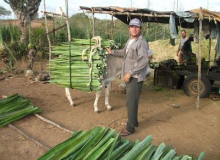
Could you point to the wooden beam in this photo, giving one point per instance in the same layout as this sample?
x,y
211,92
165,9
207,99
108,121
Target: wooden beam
x,y
53,123
56,29
89,10
28,137
55,14
127,13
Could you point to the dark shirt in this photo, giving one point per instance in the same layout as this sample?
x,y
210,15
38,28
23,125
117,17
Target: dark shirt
x,y
187,48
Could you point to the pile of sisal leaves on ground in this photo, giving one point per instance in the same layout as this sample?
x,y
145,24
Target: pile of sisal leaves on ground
x,y
14,108
103,143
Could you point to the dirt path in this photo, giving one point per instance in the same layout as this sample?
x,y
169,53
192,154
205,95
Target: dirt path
x,y
186,129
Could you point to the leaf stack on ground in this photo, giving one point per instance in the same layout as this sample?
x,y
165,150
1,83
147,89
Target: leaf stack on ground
x,y
14,108
102,143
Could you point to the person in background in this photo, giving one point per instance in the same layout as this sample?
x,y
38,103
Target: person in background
x,y
187,50
182,41
150,57
150,54
134,68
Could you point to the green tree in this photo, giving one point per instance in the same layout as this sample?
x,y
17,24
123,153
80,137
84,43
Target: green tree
x,y
25,11
4,12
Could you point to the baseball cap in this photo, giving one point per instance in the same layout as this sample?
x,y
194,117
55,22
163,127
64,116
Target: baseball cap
x,y
135,22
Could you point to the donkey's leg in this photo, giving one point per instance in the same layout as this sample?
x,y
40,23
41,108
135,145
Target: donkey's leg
x,y
107,93
68,95
98,94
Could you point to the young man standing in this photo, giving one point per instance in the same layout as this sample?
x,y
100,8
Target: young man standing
x,y
134,70
182,41
187,50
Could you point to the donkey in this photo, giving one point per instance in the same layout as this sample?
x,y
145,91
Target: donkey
x,y
114,66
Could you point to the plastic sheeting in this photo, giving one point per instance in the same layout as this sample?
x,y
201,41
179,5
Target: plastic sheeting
x,y
187,16
173,30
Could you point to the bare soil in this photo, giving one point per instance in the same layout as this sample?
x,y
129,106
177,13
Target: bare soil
x,y
187,129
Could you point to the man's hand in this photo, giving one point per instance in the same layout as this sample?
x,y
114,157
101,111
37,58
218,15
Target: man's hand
x,y
127,78
193,55
177,54
108,50
150,56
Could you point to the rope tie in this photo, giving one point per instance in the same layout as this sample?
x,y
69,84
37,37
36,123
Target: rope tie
x,y
84,58
97,45
128,16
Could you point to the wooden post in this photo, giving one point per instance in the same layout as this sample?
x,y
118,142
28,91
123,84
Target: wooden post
x,y
48,36
69,42
112,28
67,12
164,32
54,31
68,34
67,8
199,58
147,28
93,24
215,56
210,44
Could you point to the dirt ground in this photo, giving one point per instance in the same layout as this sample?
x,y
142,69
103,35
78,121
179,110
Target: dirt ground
x,y
187,129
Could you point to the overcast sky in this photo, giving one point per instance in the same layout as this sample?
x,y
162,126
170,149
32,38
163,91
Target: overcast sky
x,y
165,5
